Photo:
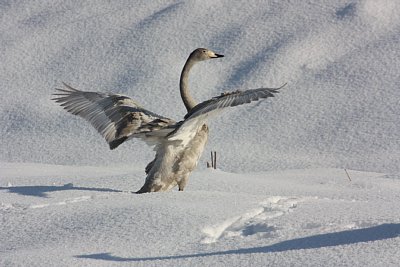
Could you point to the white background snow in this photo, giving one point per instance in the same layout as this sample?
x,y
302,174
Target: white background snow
x,y
280,197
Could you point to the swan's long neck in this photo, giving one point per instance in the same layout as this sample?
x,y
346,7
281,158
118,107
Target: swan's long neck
x,y
187,98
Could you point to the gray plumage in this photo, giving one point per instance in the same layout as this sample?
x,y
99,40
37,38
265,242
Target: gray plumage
x,y
231,99
178,145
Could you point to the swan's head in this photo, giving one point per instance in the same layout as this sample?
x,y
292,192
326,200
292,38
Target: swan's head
x,y
201,54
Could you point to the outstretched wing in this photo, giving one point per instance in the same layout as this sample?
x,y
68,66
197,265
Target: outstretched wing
x,y
116,117
197,116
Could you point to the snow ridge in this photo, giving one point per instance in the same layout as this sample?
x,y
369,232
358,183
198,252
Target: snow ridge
x,y
252,222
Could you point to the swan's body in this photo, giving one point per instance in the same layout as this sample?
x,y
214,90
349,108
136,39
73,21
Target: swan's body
x,y
178,145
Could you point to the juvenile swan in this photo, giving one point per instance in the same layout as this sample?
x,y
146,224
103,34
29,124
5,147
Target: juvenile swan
x,y
178,145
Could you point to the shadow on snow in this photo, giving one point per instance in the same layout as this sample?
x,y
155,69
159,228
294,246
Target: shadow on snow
x,y
42,190
348,237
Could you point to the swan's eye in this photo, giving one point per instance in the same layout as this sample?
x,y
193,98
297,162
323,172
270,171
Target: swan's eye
x,y
204,51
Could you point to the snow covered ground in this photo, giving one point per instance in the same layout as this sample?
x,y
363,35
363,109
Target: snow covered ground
x,y
86,216
281,196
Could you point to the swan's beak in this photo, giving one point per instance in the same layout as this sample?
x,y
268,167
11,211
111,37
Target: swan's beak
x,y
218,55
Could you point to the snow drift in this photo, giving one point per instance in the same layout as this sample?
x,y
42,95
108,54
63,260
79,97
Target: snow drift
x,y
281,196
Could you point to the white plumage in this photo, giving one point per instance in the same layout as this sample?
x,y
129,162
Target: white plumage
x,y
178,145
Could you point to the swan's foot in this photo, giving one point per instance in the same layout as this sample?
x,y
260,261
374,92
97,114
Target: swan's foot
x,y
181,185
148,189
141,191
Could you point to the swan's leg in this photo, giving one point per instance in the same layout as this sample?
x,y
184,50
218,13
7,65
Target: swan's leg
x,y
182,183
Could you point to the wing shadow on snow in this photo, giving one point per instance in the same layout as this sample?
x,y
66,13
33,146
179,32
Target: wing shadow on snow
x,y
348,237
42,190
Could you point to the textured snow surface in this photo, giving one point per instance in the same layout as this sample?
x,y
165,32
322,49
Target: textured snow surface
x,y
87,216
340,59
283,197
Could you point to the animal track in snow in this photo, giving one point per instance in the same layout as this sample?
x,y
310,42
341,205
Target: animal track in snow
x,y
252,222
15,206
65,202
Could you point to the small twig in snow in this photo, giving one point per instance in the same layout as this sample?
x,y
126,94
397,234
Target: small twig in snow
x,y
215,160
348,176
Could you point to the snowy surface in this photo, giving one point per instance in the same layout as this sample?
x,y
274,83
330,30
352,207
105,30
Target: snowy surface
x,y
281,196
64,216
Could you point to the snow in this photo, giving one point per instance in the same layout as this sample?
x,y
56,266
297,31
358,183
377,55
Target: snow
x,y
293,217
281,196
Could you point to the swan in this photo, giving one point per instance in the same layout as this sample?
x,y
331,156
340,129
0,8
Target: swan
x,y
178,145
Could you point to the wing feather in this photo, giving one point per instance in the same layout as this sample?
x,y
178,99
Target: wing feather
x,y
116,117
197,116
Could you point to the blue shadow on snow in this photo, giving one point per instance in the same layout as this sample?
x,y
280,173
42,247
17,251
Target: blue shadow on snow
x,y
348,237
42,190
